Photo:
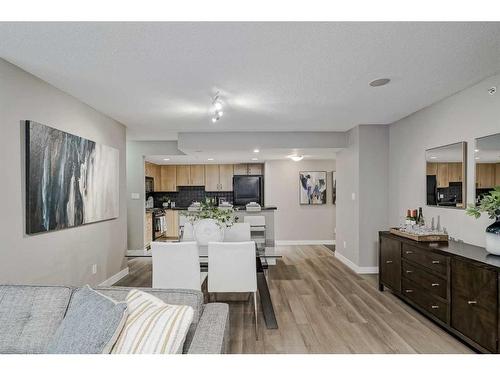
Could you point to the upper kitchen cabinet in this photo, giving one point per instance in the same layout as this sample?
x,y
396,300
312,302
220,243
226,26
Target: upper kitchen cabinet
x,y
190,175
153,170
249,169
219,177
485,175
168,181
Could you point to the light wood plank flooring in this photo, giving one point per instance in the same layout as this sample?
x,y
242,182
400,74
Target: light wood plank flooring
x,y
324,307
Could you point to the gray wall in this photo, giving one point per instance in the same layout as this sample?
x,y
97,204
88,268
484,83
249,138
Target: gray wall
x,y
362,194
65,256
136,150
295,222
464,116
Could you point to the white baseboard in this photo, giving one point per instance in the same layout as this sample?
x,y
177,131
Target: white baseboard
x,y
304,242
115,278
355,267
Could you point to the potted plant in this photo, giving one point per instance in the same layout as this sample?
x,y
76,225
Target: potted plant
x,y
490,203
210,221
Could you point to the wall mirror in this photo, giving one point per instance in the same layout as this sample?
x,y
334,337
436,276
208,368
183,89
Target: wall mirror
x,y
487,158
446,177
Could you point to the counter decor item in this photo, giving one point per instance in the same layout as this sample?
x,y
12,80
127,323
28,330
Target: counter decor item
x,y
209,221
420,235
489,203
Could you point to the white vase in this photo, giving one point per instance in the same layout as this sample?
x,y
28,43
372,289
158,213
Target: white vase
x,y
207,230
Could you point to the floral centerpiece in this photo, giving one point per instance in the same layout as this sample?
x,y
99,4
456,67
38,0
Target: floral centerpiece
x,y
489,203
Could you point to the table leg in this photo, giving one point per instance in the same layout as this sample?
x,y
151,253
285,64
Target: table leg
x,y
265,298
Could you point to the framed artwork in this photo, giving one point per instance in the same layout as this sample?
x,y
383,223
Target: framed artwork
x,y
334,187
70,181
312,187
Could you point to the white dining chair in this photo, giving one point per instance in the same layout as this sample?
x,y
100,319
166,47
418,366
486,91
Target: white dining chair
x,y
232,269
187,232
257,228
238,232
176,265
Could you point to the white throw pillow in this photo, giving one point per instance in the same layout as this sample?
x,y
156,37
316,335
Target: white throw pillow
x,y
152,326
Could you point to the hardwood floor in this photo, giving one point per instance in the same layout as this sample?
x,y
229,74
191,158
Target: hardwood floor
x,y
324,307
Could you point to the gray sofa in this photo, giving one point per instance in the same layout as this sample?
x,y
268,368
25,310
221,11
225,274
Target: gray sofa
x,y
30,315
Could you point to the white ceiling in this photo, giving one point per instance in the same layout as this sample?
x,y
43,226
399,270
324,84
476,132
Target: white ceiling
x,y
158,78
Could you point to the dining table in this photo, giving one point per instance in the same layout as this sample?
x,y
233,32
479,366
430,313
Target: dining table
x,y
263,257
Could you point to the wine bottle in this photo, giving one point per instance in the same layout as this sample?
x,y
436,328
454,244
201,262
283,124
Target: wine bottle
x,y
408,217
420,219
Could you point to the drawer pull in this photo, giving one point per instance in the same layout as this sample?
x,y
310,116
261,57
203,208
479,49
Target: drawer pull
x,y
409,252
435,284
409,271
434,307
409,290
388,261
435,262
472,302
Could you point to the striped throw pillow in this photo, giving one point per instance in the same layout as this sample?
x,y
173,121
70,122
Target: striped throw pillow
x,y
152,326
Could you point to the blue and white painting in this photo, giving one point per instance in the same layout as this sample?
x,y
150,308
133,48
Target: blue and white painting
x,y
70,181
312,187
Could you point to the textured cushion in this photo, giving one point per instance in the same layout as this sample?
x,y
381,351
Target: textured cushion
x,y
29,316
153,327
91,325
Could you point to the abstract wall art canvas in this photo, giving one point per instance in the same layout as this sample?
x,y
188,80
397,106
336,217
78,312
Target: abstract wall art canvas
x,y
312,187
334,187
70,181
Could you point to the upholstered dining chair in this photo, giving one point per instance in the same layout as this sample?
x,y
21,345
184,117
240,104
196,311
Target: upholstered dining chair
x,y
238,232
188,232
232,269
176,265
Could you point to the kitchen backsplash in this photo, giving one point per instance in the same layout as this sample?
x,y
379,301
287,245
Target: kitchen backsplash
x,y
454,190
188,194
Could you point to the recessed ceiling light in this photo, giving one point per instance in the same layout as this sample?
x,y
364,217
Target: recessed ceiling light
x,y
477,158
476,150
210,159
167,159
256,150
255,159
380,82
296,157
434,157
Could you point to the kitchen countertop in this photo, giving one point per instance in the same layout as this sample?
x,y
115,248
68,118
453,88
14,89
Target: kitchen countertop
x,y
460,249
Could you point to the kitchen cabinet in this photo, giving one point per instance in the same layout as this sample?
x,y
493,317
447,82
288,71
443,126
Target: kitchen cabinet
x,y
148,229
497,174
249,169
154,171
485,175
172,219
168,178
442,175
453,284
219,177
454,172
190,175
182,174
431,169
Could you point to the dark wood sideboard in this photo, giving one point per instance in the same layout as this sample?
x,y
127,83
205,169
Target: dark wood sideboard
x,y
454,284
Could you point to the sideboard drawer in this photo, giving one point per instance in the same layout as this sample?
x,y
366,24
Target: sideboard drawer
x,y
435,262
421,297
427,280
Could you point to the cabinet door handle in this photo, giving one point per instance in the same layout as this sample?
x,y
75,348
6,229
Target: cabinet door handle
x,y
472,302
409,290
409,271
434,307
435,262
409,252
435,284
388,261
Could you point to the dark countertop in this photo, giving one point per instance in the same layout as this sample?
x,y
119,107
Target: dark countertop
x,y
460,249
265,208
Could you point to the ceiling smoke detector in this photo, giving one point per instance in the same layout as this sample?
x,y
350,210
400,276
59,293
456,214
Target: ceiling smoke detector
x,y
380,82
492,90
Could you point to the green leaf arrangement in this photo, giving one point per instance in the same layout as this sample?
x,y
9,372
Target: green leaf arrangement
x,y
490,203
224,217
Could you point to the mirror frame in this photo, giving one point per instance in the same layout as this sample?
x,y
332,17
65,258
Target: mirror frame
x,y
464,175
475,164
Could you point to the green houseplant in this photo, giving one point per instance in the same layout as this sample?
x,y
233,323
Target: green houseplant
x,y
490,204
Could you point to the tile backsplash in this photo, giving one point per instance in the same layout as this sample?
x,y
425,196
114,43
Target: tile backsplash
x,y
188,194
453,190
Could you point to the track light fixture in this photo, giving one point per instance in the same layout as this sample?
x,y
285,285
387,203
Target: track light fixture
x,y
216,108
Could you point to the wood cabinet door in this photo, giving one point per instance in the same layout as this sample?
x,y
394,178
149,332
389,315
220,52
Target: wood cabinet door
x,y
431,169
485,175
226,177
168,178
172,219
390,263
474,301
455,172
148,171
255,169
182,174
241,169
212,182
442,175
197,174
497,174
